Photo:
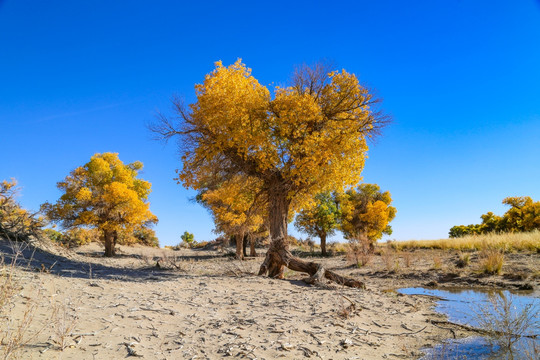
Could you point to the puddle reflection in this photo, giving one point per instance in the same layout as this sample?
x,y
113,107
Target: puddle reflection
x,y
470,307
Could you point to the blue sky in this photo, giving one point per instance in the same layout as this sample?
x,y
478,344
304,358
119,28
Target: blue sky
x,y
461,80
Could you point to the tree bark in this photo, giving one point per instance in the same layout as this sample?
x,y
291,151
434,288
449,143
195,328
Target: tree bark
x,y
252,251
278,209
323,244
108,239
239,246
278,256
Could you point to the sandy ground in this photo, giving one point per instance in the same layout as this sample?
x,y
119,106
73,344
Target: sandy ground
x,y
201,304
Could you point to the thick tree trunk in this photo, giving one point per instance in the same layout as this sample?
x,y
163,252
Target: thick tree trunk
x,y
323,244
239,246
252,251
278,208
109,240
278,256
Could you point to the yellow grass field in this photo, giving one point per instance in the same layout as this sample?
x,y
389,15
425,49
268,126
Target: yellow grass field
x,y
508,242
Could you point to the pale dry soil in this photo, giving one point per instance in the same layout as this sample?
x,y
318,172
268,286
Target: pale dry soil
x,y
201,304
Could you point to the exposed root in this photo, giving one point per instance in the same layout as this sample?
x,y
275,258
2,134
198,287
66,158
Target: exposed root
x,y
277,258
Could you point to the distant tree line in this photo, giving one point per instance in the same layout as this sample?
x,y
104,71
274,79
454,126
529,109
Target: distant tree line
x,y
523,216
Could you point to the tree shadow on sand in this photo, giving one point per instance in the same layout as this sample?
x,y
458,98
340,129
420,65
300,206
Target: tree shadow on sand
x,y
119,255
66,263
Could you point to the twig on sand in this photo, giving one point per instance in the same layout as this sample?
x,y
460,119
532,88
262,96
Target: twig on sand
x,y
320,342
369,332
473,329
130,350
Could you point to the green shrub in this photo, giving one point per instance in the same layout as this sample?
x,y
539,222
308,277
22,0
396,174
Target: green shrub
x,y
54,236
187,237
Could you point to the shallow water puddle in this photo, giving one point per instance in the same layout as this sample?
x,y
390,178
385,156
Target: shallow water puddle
x,y
469,307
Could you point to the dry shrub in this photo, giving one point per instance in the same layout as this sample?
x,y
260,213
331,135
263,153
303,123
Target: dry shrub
x,y
491,261
64,319
7,287
200,245
172,261
335,247
505,324
15,329
408,258
390,260
360,252
168,261
311,244
307,245
147,259
238,269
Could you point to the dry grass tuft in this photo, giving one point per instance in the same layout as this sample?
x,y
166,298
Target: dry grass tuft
x,y
15,331
64,319
464,260
437,262
491,261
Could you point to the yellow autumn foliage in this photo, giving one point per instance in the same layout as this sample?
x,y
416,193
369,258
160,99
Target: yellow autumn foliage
x,y
104,194
315,141
236,206
16,223
366,212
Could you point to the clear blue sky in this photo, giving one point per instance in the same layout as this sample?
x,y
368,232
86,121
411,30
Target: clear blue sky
x,y
461,80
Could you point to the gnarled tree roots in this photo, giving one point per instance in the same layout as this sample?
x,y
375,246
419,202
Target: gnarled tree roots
x,y
279,257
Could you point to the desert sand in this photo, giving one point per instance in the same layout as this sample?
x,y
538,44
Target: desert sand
x,y
201,304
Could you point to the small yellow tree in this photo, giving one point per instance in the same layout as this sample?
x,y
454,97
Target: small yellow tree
x,y
366,212
104,194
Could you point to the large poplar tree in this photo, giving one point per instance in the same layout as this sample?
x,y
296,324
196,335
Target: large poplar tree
x,y
300,140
